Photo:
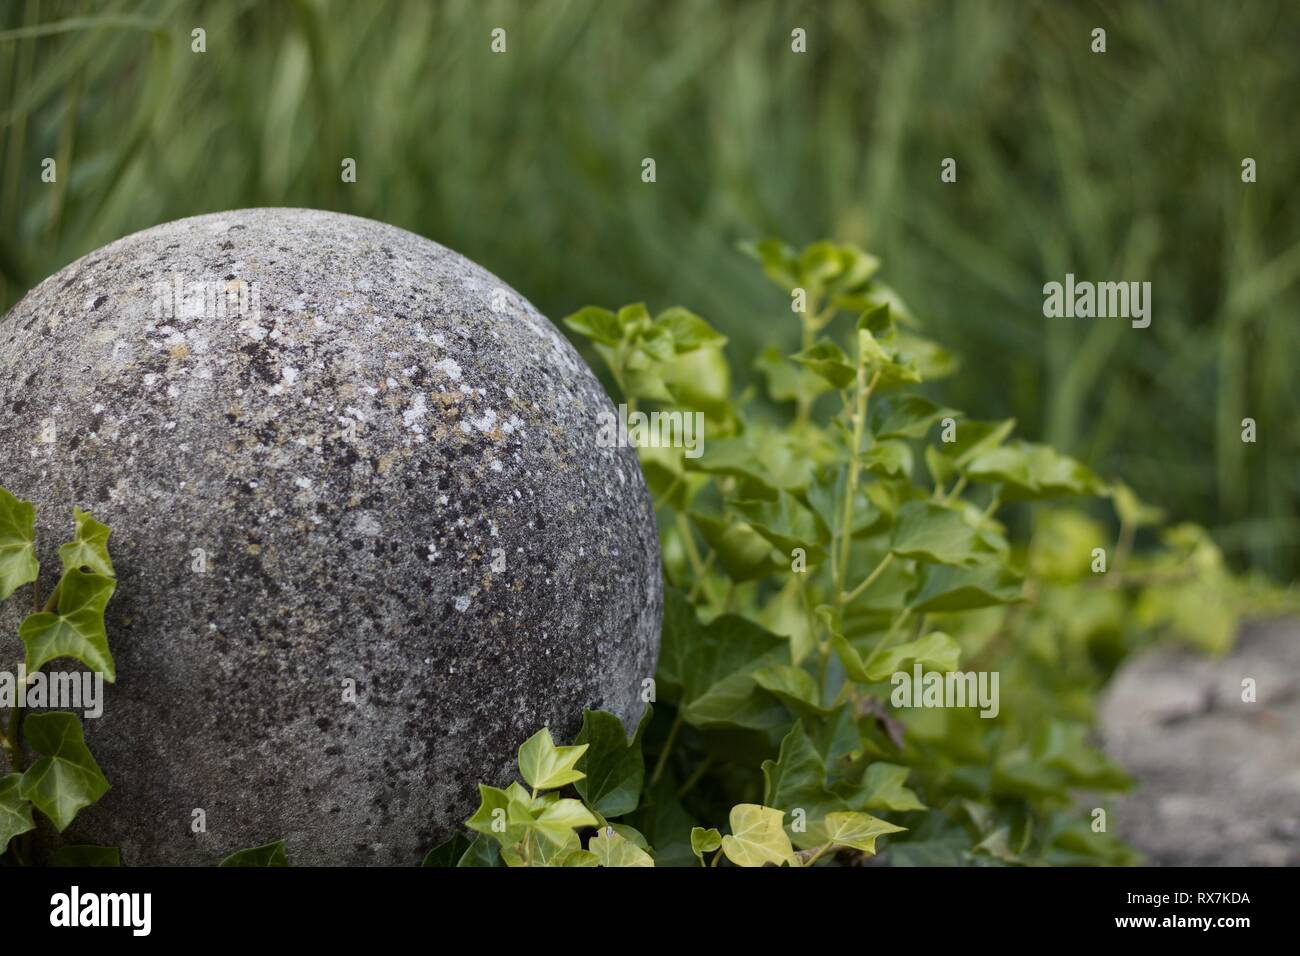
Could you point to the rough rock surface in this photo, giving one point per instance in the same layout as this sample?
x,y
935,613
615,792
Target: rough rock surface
x,y
352,450
1218,778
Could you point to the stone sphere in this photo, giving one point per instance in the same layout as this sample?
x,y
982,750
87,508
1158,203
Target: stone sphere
x,y
365,537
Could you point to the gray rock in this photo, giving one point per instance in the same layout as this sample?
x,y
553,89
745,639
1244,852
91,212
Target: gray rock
x,y
1218,779
352,448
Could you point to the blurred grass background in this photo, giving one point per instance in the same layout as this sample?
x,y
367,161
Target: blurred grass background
x,y
1121,166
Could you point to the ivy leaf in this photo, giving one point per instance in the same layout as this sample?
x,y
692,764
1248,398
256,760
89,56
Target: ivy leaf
x,y
888,457
492,818
65,778
705,841
973,438
947,588
688,331
81,855
796,781
558,820
757,837
883,787
929,532
448,853
76,628
857,830
545,766
613,766
89,546
1132,510
779,261
18,564
15,810
269,854
936,651
828,360
1031,471
611,849
787,524
786,381
709,670
909,416
599,325
483,851
794,687
929,360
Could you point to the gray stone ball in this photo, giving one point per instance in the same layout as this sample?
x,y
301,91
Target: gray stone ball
x,y
335,454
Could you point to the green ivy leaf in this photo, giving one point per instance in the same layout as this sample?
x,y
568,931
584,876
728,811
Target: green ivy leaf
x,y
545,766
483,851
883,787
492,818
76,628
757,837
787,525
888,457
448,853
857,830
929,532
89,546
65,778
269,854
828,360
935,651
613,766
15,810
611,849
1132,510
557,821
1031,471
599,325
786,381
83,855
973,438
947,588
18,564
908,416
705,841
688,331
709,670
794,687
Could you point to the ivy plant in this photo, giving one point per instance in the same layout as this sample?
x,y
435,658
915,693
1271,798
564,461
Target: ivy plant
x,y
49,770
843,526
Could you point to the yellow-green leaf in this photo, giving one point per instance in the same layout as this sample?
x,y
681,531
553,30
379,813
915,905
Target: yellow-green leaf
x,y
545,766
75,628
857,830
89,546
757,837
18,564
611,849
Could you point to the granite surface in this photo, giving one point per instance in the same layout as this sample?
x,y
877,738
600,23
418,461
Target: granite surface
x,y
342,455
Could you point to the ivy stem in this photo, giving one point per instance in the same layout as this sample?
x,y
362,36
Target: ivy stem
x,y
818,854
688,543
893,629
13,749
694,778
870,579
667,749
855,471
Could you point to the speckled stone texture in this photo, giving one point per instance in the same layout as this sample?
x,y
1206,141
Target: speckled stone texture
x,y
352,451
